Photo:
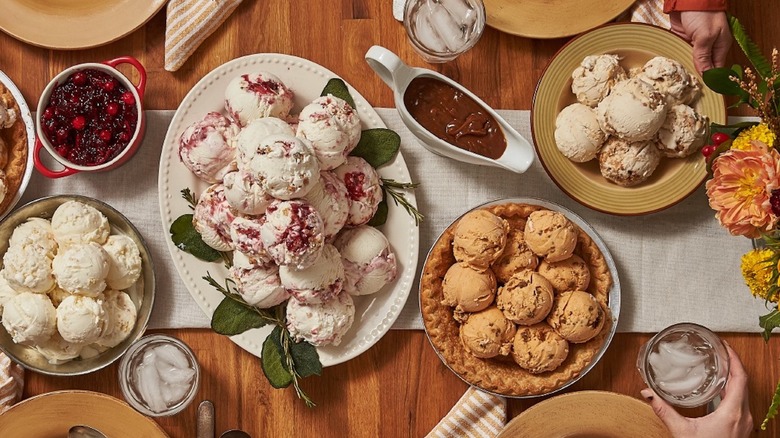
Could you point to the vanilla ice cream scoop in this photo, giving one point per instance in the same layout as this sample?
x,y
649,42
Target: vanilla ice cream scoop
x,y
578,134
332,127
594,78
468,290
577,316
538,348
249,139
27,269
124,262
36,233
6,292
81,319
285,166
634,111
364,189
331,200
526,298
245,233
318,283
29,318
258,282
76,222
57,350
369,261
550,235
120,318
321,324
487,333
671,79
82,269
684,132
292,233
212,218
207,147
628,163
245,194
480,237
256,95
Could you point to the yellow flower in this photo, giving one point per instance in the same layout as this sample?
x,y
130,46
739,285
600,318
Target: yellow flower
x,y
757,269
760,132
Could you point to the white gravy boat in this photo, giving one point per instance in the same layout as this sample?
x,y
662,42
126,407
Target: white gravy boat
x,y
518,155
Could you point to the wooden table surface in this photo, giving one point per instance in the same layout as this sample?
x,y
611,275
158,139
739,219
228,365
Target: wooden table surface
x,y
399,387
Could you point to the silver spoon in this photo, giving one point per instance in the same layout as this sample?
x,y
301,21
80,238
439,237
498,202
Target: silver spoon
x,y
235,433
81,431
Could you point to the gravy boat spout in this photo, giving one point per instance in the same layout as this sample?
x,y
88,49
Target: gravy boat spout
x,y
475,133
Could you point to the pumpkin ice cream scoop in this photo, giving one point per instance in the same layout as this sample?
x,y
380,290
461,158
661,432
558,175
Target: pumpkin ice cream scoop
x,y
480,237
468,290
516,257
550,235
576,316
487,333
538,348
566,275
526,298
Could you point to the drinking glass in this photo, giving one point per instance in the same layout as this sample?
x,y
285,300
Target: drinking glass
x,y
440,30
686,364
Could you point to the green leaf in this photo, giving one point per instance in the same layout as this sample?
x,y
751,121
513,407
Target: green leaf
x,y
719,81
273,362
232,318
772,411
305,359
378,146
380,217
338,88
751,50
769,322
185,238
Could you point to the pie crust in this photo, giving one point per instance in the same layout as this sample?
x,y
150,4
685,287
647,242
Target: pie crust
x,y
501,375
15,139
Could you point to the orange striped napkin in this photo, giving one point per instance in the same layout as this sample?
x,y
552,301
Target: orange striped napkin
x,y
650,12
188,23
477,414
11,382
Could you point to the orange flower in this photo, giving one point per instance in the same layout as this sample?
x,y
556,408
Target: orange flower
x,y
740,189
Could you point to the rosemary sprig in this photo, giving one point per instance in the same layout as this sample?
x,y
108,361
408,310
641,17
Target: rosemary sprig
x,y
189,197
285,341
392,187
227,291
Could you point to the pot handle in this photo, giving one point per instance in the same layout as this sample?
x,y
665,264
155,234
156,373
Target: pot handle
x,y
141,87
45,171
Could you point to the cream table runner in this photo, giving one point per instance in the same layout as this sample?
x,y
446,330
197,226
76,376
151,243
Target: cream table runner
x,y
676,265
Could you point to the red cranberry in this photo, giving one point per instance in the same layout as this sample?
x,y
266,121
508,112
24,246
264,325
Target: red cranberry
x,y
112,108
48,113
79,122
708,150
80,78
128,98
105,135
109,85
718,138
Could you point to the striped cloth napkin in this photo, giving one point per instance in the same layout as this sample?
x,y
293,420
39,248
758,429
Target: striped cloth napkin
x,y
189,22
477,414
650,12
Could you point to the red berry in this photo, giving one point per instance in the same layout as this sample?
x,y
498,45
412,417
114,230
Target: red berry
x,y
108,85
112,108
79,78
125,136
718,138
105,135
48,113
708,150
78,122
127,98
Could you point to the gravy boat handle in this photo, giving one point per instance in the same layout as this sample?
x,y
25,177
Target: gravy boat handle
x,y
387,65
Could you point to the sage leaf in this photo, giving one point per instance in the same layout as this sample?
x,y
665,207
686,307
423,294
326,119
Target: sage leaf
x,y
719,81
305,359
380,217
186,238
378,146
750,49
273,362
769,322
233,318
338,88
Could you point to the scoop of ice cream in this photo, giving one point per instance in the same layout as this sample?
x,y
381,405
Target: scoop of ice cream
x,y
120,318
369,261
249,139
332,127
320,282
245,233
292,233
27,269
578,134
207,147
212,218
29,318
285,166
321,324
516,256
256,95
245,194
593,79
258,282
634,111
82,269
363,187
480,238
487,333
626,163
6,291
565,275
8,115
331,200
576,316
36,233
550,235
671,79
526,298
684,132
11,382
468,290
538,348
57,350
76,222
124,262
80,319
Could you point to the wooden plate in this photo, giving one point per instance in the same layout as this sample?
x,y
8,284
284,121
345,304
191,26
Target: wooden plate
x,y
551,18
587,414
51,415
70,24
674,179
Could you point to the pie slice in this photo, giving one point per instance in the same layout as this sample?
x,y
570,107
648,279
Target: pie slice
x,y
15,141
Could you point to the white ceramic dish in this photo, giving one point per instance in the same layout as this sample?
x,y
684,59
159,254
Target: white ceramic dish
x,y
374,314
29,125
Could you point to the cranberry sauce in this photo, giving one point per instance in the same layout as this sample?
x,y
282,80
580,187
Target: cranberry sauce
x,y
90,118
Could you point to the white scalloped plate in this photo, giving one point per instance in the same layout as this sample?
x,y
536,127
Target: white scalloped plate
x,y
374,314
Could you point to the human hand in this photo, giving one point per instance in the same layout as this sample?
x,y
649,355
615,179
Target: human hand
x,y
731,419
709,34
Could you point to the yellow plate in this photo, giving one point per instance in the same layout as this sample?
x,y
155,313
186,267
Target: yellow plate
x,y
75,24
587,414
551,18
674,179
51,415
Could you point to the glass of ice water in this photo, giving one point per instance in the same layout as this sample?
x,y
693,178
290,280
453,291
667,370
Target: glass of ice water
x,y
440,30
686,364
